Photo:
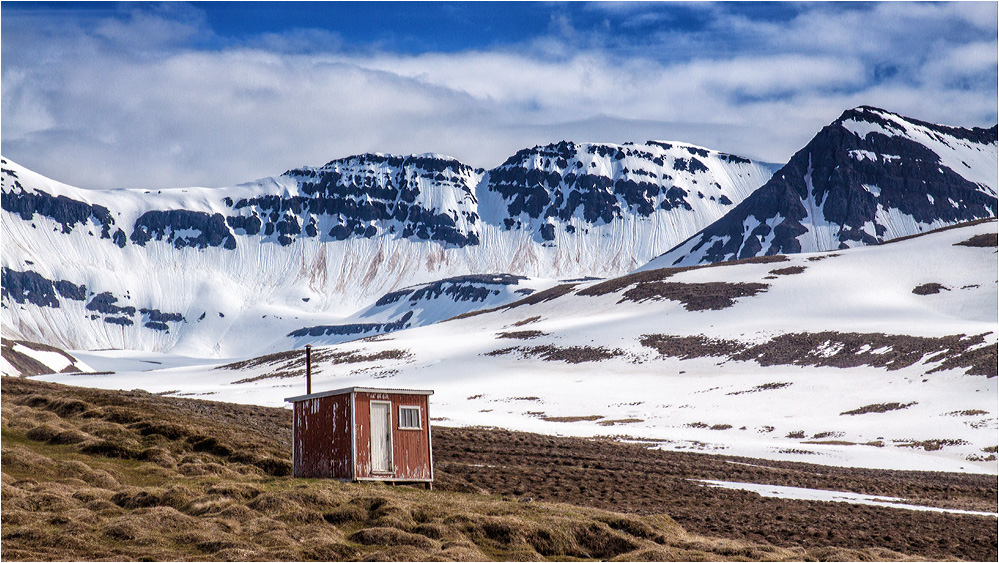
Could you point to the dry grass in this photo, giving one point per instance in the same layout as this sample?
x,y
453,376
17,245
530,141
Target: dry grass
x,y
145,477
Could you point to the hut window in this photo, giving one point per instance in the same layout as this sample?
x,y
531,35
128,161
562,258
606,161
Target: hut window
x,y
409,418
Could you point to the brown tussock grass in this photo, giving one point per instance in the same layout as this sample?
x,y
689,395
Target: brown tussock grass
x,y
70,501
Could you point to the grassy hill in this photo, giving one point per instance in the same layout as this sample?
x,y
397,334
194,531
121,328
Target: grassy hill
x,y
91,474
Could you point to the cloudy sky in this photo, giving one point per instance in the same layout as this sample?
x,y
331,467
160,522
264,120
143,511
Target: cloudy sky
x,y
149,95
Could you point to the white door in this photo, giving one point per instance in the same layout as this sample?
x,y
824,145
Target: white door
x,y
381,437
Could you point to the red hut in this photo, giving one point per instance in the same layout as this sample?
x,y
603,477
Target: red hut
x,y
363,434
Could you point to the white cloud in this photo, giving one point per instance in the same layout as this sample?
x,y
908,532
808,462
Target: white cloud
x,y
98,107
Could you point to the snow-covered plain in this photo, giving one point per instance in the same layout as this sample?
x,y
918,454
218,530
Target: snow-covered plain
x,y
489,370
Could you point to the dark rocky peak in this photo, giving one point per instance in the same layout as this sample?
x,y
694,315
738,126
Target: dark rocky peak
x,y
599,183
867,177
67,212
889,120
472,287
377,170
368,195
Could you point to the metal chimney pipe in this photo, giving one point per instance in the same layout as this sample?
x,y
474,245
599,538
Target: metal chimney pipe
x,y
308,369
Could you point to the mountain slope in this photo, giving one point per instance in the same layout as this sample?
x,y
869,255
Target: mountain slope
x,y
879,356
868,177
231,271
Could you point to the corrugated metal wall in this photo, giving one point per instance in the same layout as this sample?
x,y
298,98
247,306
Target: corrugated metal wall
x,y
322,437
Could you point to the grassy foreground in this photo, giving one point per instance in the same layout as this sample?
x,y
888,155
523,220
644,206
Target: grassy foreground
x,y
102,475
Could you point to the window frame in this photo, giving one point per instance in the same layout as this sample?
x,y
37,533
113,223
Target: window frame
x,y
419,417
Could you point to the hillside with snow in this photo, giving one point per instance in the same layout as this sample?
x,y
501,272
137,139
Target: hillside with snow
x,y
868,177
877,356
232,272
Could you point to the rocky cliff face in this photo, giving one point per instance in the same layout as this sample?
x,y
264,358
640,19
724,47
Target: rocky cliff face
x,y
868,177
568,186
315,245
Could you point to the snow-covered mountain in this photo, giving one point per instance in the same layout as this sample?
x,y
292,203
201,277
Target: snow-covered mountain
x,y
881,356
868,177
234,271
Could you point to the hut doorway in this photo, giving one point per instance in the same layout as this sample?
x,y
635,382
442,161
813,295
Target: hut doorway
x,y
381,437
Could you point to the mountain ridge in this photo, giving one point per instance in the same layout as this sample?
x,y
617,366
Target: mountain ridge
x,y
314,245
869,176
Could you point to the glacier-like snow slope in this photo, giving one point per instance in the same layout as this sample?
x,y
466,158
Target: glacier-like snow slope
x,y
878,356
421,305
868,177
231,272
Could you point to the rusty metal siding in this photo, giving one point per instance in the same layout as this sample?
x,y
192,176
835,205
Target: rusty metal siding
x,y
410,448
322,438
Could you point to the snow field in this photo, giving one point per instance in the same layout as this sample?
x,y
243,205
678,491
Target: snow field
x,y
945,421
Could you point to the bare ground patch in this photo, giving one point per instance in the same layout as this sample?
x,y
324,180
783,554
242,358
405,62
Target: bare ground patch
x,y
986,240
821,257
688,347
521,334
763,387
292,362
651,276
878,408
587,418
789,271
712,296
528,321
567,354
840,349
967,412
932,445
929,289
620,421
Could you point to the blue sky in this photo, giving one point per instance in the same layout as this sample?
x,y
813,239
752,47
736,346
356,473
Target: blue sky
x,y
173,94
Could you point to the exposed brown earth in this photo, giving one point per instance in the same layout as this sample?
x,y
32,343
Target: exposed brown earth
x,y
789,271
929,289
521,334
528,321
93,474
292,362
878,408
26,365
986,240
651,276
567,354
712,296
840,349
